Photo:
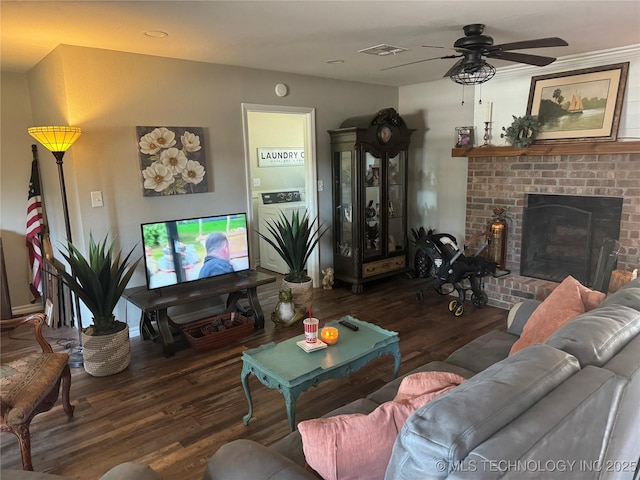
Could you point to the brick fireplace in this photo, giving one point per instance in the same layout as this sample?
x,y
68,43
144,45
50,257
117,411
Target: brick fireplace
x,y
505,176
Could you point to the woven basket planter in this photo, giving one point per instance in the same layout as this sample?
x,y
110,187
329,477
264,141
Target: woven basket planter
x,y
106,354
302,292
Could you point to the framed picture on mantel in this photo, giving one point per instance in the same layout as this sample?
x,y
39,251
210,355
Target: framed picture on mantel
x,y
464,137
580,105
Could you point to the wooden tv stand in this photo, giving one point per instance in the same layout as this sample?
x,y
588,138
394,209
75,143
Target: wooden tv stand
x,y
154,303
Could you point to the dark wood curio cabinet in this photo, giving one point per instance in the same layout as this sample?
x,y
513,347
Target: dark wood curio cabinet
x,y
369,168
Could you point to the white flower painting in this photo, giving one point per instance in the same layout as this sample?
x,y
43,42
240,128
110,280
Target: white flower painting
x,y
172,160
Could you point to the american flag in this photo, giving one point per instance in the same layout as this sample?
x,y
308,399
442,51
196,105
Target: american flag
x,y
34,229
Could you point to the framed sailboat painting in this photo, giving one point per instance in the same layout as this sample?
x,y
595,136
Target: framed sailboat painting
x,y
581,105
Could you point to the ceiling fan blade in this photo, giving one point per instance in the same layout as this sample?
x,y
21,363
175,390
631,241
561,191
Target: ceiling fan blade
x,y
453,68
437,46
419,61
539,43
521,58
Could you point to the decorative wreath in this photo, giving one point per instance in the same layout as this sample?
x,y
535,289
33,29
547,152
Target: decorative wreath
x,y
522,131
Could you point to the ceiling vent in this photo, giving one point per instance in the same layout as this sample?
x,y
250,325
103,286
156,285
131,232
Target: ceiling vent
x,y
383,49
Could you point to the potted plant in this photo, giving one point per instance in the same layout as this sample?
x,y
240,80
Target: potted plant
x,y
99,282
294,240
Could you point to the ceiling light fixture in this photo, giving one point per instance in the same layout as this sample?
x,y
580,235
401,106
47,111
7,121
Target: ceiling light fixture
x,y
156,34
473,73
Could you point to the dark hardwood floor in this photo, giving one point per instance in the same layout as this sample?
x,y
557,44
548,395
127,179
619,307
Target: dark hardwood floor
x,y
174,413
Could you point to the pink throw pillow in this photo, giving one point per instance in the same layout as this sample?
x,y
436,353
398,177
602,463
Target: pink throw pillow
x,y
565,302
590,298
352,447
414,386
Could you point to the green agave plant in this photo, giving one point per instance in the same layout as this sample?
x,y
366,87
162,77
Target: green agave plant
x,y
99,282
294,241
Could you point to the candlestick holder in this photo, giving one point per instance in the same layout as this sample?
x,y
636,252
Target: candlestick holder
x,y
487,134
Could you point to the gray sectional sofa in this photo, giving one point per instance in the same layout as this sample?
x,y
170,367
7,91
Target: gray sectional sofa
x,y
567,408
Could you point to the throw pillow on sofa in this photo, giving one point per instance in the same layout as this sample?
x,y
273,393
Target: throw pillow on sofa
x,y
565,302
350,447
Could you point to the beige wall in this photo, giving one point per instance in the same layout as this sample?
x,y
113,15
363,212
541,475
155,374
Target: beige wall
x,y
109,93
437,182
15,170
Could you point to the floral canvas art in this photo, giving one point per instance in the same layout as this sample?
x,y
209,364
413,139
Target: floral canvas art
x,y
172,160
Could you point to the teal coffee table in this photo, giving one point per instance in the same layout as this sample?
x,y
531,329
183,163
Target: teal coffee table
x,y
291,370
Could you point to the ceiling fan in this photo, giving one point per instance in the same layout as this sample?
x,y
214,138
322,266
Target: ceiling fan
x,y
473,69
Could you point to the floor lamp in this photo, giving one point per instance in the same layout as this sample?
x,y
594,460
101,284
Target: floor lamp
x,y
58,140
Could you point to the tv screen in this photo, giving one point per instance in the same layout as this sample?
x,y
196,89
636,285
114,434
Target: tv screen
x,y
187,250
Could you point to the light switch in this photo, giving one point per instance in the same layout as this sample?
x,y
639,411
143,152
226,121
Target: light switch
x,y
256,182
96,199
321,185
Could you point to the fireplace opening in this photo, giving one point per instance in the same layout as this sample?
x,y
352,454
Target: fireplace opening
x,y
562,235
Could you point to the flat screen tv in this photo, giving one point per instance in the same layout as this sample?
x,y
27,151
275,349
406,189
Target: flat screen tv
x,y
191,249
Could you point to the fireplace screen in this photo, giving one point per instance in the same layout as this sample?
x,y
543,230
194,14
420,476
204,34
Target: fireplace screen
x,y
562,235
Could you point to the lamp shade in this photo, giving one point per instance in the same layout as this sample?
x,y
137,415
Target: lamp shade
x,y
55,139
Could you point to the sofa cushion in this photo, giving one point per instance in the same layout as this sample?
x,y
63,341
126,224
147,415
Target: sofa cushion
x,y
483,351
628,295
333,446
565,302
131,470
124,471
445,430
390,390
625,364
244,459
595,337
557,438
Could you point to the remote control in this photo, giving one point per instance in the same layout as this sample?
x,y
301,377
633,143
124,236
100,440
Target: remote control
x,y
349,325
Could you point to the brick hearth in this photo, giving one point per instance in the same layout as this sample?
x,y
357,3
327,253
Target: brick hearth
x,y
504,181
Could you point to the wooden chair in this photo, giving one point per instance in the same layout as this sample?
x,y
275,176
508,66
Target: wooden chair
x,y
30,385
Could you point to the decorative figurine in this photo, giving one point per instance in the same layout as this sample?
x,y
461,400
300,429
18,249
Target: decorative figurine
x,y
327,280
286,313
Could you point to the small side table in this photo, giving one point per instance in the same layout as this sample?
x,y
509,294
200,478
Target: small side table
x,y
291,370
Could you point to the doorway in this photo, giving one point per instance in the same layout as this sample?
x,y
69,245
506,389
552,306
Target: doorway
x,y
306,117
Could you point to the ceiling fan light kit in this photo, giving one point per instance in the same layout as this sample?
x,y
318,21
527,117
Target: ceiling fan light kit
x,y
472,74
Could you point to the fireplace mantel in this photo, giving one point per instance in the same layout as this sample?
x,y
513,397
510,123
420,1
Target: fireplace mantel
x,y
576,148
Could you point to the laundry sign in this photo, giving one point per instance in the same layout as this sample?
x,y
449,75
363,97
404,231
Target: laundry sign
x,y
280,157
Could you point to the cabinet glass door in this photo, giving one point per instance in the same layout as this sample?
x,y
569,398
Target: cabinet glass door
x,y
344,204
396,203
372,199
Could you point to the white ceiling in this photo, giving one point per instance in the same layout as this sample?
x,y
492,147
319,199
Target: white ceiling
x,y
300,36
